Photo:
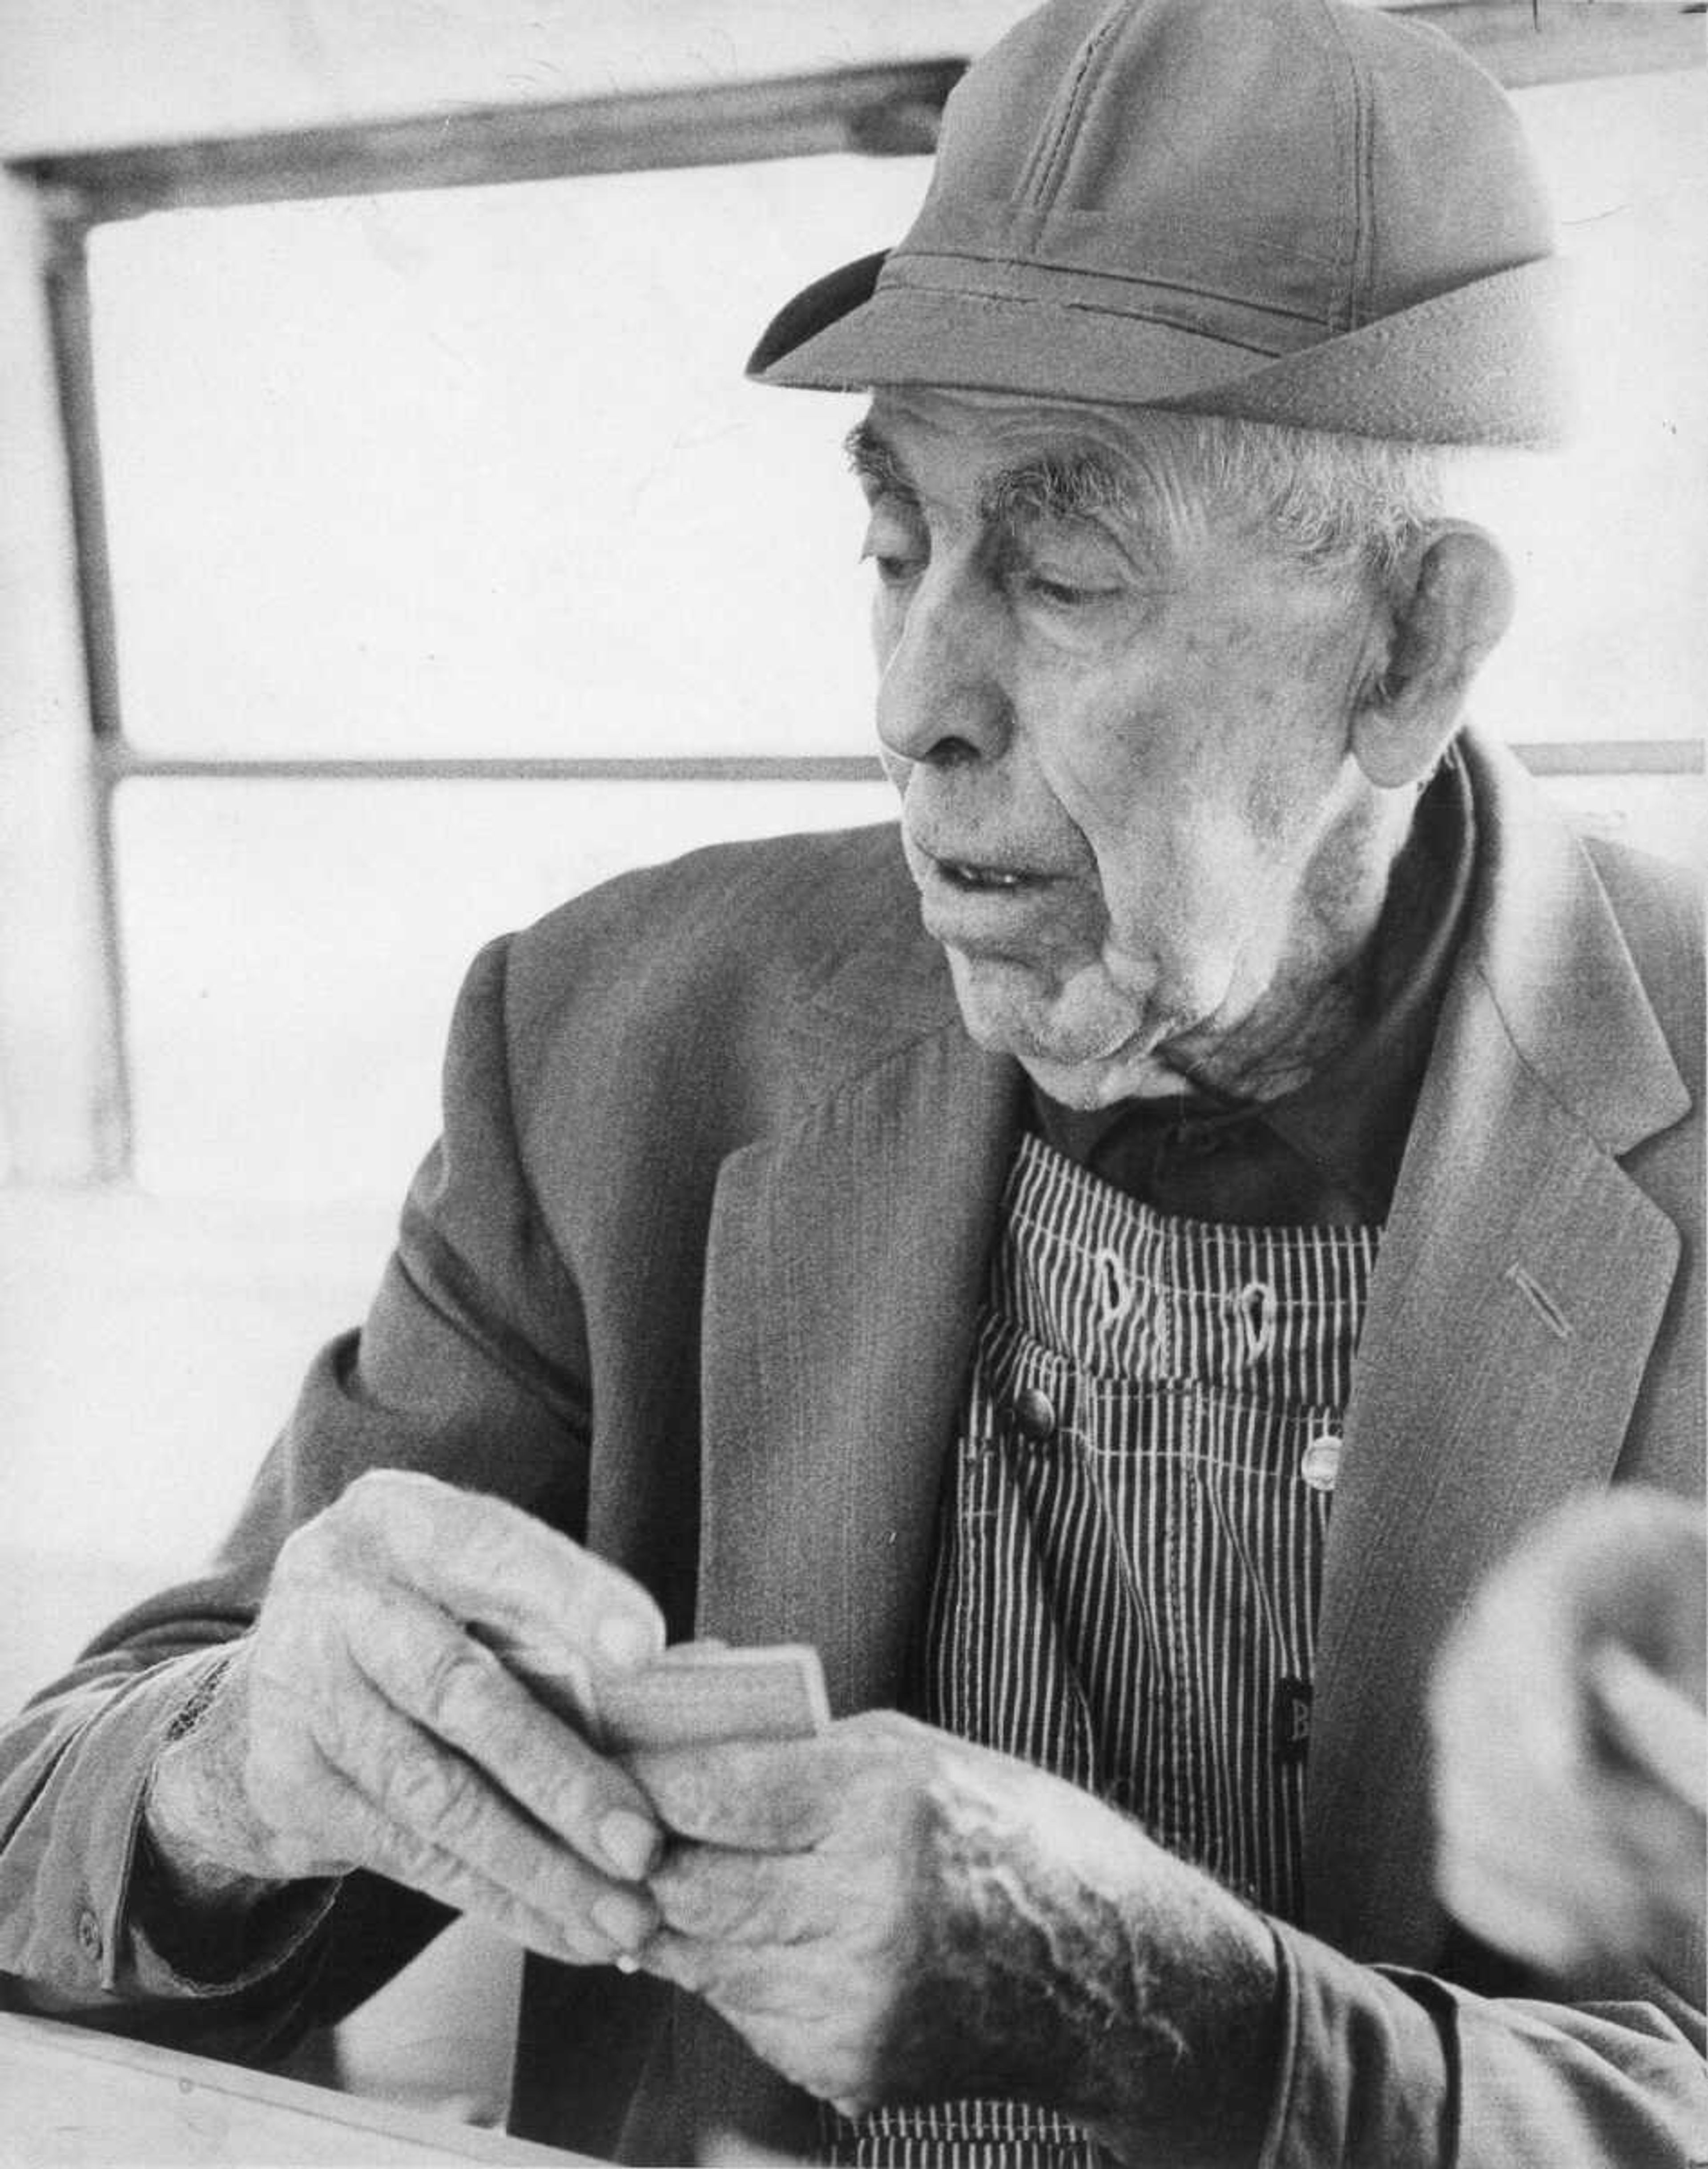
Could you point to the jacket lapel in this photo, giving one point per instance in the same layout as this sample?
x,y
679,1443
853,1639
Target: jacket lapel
x,y
847,1259
1520,1284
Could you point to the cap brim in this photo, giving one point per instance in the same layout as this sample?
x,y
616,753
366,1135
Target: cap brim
x,y
1479,365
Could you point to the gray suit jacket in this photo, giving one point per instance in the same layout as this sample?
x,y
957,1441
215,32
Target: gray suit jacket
x,y
693,1273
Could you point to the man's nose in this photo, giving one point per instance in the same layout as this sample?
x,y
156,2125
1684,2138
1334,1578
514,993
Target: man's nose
x,y
943,693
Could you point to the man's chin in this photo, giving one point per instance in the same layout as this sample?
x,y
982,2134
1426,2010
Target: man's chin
x,y
1066,1056
1100,1081
1132,1069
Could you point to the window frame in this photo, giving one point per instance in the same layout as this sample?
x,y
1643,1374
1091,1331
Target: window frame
x,y
882,110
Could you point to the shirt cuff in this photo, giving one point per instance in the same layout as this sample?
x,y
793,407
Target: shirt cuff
x,y
171,1946
170,1950
85,1943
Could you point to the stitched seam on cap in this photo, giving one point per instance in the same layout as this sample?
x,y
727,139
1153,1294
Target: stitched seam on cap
x,y
902,283
1092,309
1342,316
1364,237
922,241
1045,168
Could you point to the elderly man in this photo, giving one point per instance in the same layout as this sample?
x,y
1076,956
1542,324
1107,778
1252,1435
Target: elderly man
x,y
1111,1273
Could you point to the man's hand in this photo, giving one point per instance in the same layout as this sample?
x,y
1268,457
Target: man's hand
x,y
1570,1740
366,1722
889,1914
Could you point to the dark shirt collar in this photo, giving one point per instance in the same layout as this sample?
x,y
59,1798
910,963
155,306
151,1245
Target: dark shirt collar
x,y
1349,1123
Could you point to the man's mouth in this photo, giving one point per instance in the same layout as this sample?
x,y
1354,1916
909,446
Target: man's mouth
x,y
968,874
996,876
976,903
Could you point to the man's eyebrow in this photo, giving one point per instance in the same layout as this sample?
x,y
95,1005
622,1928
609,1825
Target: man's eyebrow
x,y
1050,486
873,459
1060,486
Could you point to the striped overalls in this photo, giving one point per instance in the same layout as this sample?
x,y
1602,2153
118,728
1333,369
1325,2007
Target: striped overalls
x,y
1129,1547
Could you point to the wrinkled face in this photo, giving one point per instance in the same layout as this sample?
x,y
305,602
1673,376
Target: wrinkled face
x,y
1118,719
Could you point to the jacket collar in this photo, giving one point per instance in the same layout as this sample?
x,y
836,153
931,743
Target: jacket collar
x,y
1547,947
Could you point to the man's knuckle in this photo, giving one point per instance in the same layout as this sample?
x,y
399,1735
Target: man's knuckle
x,y
386,1516
490,1533
373,1495
299,1560
572,1800
319,1565
407,1856
751,1913
465,1698
466,1823
422,1791
335,1724
728,1897
685,1893
755,1987
455,1689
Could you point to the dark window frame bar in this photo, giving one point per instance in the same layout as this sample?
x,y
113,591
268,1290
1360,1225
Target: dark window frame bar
x,y
65,271
884,111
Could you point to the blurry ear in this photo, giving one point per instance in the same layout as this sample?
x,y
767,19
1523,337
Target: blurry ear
x,y
1453,600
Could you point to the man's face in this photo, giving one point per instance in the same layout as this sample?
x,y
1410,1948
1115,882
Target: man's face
x,y
1118,719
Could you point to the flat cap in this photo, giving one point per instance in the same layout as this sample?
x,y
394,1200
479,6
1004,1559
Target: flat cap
x,y
1300,212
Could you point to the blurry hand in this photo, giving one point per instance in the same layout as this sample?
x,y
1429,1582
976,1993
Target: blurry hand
x,y
366,1721
1570,1739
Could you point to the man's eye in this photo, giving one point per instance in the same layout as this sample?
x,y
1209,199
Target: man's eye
x,y
898,555
1062,595
1059,591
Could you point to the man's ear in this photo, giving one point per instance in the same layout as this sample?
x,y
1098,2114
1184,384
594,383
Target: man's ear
x,y
1452,600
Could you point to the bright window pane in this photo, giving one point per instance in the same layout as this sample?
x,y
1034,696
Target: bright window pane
x,y
292,950
475,470
1610,540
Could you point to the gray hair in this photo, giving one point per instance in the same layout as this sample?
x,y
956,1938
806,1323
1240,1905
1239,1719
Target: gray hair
x,y
1340,504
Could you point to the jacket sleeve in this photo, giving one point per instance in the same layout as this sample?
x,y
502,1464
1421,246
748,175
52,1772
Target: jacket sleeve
x,y
1381,2065
472,1366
